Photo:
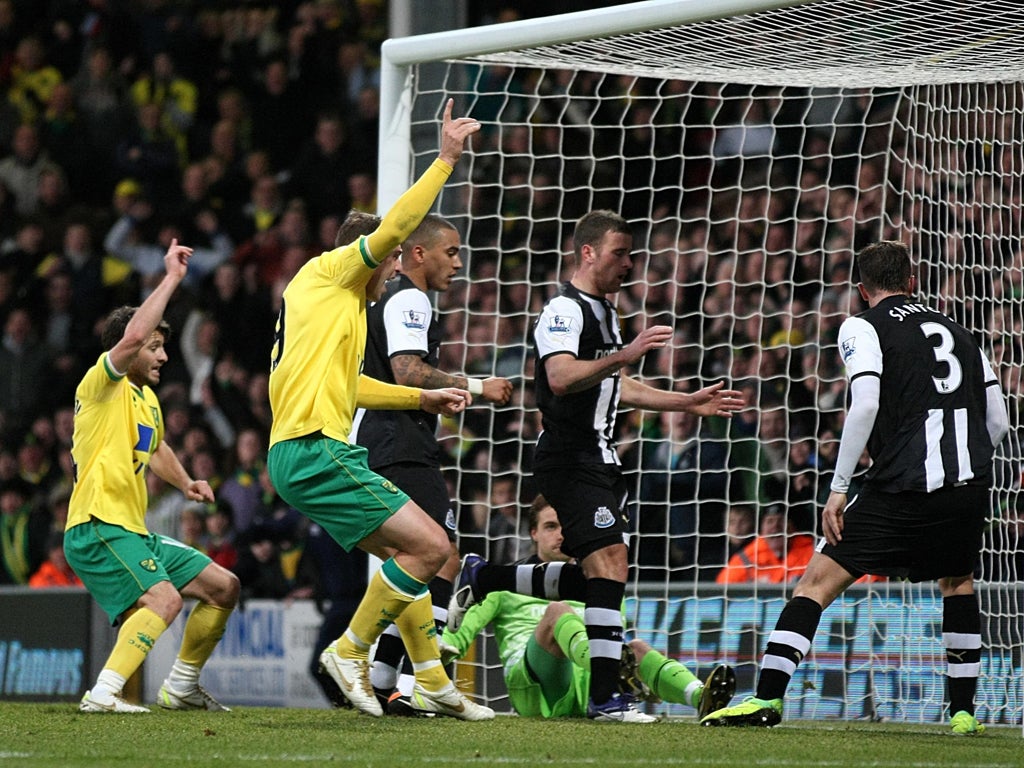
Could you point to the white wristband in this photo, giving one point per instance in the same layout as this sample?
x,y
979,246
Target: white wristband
x,y
475,386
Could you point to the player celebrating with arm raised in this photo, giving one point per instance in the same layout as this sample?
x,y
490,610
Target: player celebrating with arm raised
x,y
137,577
315,386
402,345
927,405
580,385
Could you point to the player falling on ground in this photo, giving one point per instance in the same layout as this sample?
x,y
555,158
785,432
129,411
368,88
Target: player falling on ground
x,y
545,653
927,405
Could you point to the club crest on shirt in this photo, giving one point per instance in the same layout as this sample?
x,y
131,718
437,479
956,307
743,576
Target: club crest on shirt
x,y
149,564
449,519
603,518
848,348
413,319
388,486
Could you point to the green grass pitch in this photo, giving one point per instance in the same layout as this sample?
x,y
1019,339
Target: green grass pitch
x,y
36,735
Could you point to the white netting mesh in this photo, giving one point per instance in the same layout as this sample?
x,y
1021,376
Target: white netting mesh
x,y
826,43
750,192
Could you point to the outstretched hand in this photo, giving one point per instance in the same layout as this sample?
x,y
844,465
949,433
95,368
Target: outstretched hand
x,y
715,401
445,402
454,132
655,337
176,259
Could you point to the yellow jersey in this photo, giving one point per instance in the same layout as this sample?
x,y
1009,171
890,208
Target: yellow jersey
x,y
117,428
320,339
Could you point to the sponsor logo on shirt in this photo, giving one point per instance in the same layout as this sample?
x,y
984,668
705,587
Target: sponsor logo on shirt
x,y
603,518
149,564
388,486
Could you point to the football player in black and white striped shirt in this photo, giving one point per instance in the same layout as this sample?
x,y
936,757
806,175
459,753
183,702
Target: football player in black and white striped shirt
x,y
927,405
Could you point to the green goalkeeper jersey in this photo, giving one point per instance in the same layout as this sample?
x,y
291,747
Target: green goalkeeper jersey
x,y
513,617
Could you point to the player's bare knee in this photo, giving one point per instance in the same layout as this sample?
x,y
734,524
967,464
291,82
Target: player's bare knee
x,y
230,588
163,599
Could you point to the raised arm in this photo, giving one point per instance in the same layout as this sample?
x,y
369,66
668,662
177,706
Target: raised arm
x,y
407,212
148,316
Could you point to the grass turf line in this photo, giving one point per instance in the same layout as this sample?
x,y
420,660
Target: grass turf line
x,y
58,736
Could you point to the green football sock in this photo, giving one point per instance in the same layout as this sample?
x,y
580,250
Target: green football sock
x,y
669,680
571,636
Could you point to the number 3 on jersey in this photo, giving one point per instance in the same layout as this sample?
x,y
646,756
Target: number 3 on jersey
x,y
944,354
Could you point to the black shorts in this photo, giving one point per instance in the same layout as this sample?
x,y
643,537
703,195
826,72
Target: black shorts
x,y
426,486
912,535
590,501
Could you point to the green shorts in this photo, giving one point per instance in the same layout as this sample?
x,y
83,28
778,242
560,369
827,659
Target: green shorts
x,y
331,483
118,566
542,685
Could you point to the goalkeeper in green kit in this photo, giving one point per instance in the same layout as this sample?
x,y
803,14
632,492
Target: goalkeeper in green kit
x,y
546,656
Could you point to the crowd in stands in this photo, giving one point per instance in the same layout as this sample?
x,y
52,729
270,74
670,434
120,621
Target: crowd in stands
x,y
248,131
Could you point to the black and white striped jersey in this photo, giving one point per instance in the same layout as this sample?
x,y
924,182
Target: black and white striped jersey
x,y
402,322
930,430
578,428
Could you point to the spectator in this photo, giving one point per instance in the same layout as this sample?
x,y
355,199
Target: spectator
x,y
176,96
20,171
125,240
242,310
683,478
243,489
27,367
778,554
508,530
320,174
100,98
262,211
25,529
220,534
148,153
280,115
261,257
54,571
55,208
260,567
192,527
32,79
64,138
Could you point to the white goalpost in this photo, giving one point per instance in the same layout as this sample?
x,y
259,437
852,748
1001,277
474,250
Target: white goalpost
x,y
754,146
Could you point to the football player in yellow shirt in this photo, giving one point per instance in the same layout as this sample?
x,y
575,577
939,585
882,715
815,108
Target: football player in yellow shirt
x,y
137,577
316,384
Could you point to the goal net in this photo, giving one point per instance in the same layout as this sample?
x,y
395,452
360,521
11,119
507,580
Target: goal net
x,y
755,149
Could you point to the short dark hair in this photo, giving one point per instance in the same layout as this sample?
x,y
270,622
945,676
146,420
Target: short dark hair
x,y
428,232
885,266
355,225
539,503
117,321
592,227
